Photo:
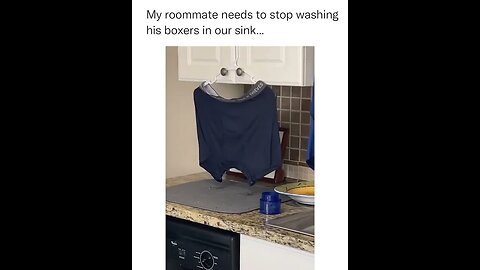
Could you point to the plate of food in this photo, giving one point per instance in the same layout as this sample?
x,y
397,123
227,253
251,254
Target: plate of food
x,y
302,192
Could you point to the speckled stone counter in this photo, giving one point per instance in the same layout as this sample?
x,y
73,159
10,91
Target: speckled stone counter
x,y
249,223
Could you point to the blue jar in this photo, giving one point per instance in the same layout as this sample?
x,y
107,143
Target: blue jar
x,y
270,203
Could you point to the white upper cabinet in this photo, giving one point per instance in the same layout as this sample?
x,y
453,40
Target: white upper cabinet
x,y
277,65
204,63
274,65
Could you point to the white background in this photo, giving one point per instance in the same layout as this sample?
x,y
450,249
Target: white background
x,y
331,115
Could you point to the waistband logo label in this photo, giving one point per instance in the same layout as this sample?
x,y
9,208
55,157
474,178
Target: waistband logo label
x,y
258,87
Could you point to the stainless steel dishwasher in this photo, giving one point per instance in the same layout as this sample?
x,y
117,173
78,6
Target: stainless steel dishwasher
x,y
196,246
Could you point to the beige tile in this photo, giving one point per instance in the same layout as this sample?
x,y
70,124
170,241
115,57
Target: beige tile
x,y
295,117
294,142
296,91
285,104
305,118
306,92
294,155
287,169
295,172
286,91
304,143
304,130
285,115
306,105
285,125
295,130
303,155
295,104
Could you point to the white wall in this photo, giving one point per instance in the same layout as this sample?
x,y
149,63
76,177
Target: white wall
x,y
260,254
182,144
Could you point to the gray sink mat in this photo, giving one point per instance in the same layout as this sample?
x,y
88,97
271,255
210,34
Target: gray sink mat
x,y
225,197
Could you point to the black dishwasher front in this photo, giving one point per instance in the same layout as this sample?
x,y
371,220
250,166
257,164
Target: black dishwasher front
x,y
193,246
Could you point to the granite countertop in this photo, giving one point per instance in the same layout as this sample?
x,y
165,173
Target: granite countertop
x,y
249,223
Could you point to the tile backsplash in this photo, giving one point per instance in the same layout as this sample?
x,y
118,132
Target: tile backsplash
x,y
293,112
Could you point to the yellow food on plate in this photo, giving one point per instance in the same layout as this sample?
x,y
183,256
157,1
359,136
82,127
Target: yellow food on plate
x,y
303,191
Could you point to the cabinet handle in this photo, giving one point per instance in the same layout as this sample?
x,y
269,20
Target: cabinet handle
x,y
240,71
224,71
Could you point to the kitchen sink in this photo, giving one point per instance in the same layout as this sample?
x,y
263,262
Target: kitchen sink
x,y
302,222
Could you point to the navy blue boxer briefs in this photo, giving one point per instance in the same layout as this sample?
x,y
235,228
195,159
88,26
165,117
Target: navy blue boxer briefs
x,y
239,133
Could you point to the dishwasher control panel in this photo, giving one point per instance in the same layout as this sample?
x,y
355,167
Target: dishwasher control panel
x,y
196,246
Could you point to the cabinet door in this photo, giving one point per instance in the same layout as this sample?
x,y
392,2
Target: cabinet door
x,y
204,63
260,254
277,65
